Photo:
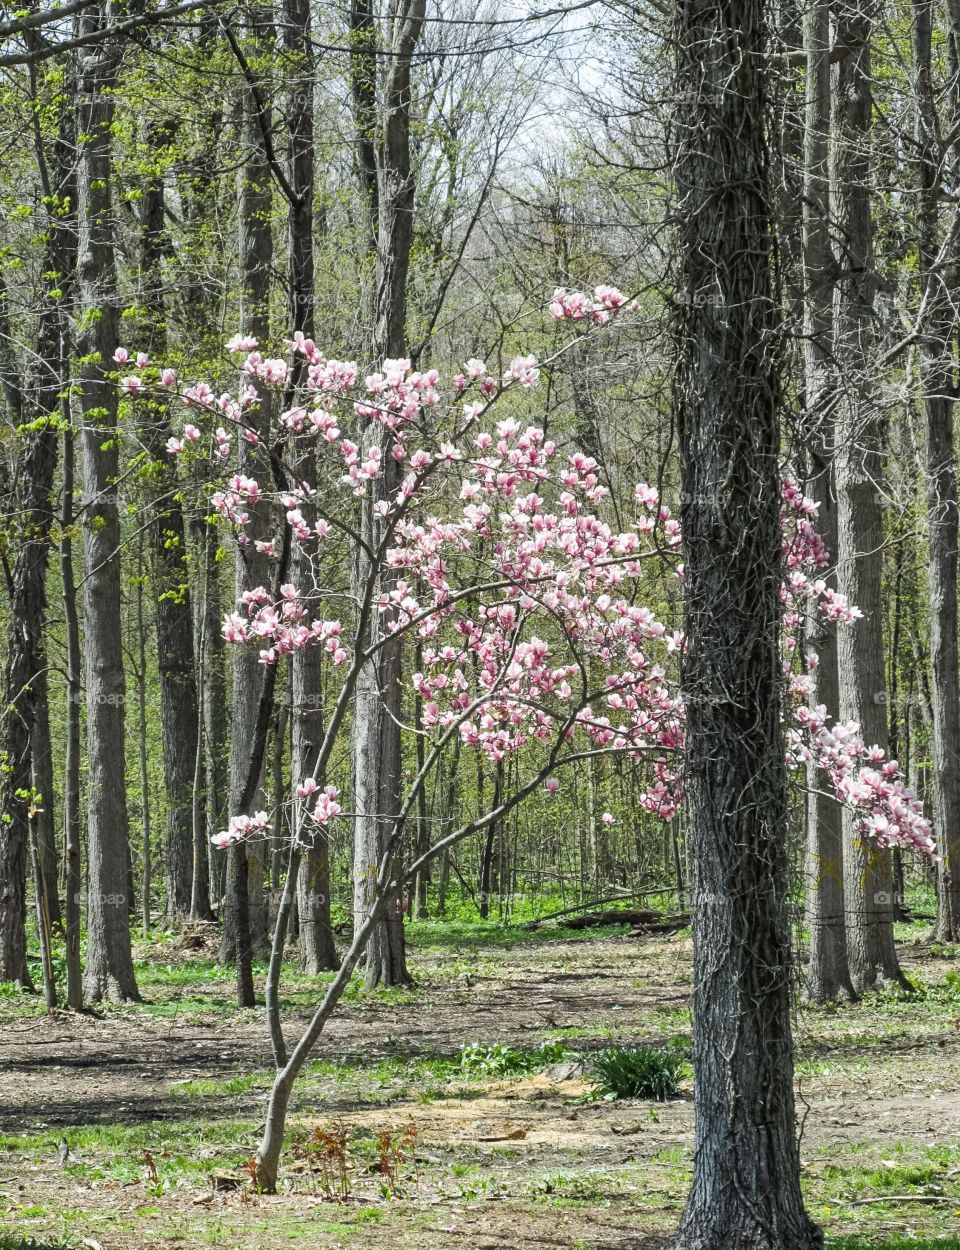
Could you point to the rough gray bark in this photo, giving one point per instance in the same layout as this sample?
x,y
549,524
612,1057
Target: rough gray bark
x,y
109,971
32,510
937,331
376,749
868,882
746,1183
828,975
25,743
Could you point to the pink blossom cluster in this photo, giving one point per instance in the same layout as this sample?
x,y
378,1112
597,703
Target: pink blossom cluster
x,y
887,813
327,808
575,305
498,562
241,828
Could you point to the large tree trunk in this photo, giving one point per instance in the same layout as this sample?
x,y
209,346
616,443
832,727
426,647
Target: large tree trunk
x,y
937,327
31,494
377,705
828,976
109,971
746,1184
868,882
24,724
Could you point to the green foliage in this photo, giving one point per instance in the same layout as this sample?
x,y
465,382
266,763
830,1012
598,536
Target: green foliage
x,y
500,1060
639,1072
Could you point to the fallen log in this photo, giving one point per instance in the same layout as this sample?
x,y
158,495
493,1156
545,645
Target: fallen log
x,y
596,902
622,915
667,924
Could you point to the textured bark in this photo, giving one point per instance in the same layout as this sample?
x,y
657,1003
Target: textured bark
x,y
937,327
868,883
828,974
32,510
109,971
376,746
174,623
746,1183
26,752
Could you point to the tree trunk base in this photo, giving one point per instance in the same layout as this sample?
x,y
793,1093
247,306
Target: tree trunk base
x,y
735,1228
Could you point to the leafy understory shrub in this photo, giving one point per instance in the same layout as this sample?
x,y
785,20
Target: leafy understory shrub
x,y
500,1060
638,1072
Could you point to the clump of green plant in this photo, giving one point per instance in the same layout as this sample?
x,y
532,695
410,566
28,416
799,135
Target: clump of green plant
x,y
500,1060
638,1072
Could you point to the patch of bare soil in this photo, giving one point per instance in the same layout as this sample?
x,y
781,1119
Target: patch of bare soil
x,y
492,1170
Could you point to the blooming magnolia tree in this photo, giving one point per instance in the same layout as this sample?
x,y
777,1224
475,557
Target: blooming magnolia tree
x,y
494,559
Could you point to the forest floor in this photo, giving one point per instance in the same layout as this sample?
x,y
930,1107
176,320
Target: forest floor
x,y
161,1104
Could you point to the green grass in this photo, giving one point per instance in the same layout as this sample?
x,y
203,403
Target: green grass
x,y
13,1241
892,1241
182,1150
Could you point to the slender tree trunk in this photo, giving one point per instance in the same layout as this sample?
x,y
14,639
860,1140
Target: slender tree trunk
x,y
376,744
937,326
317,949
245,918
417,907
214,712
176,662
42,753
746,1183
109,971
146,832
73,882
868,885
44,930
828,976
